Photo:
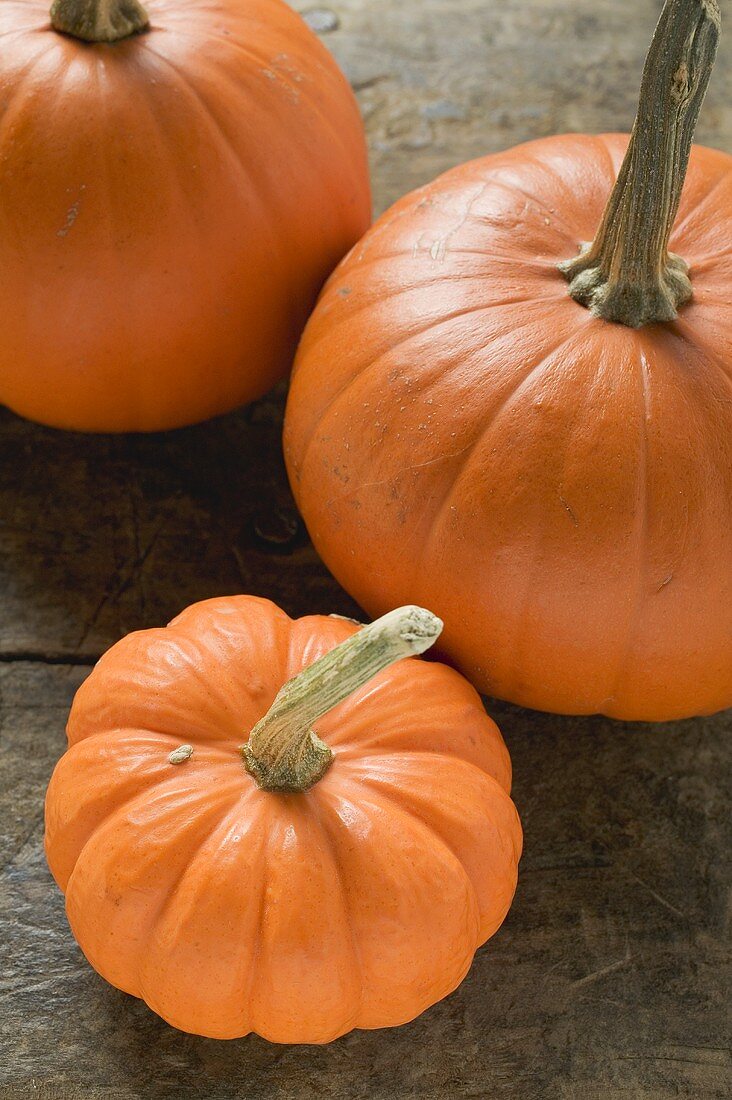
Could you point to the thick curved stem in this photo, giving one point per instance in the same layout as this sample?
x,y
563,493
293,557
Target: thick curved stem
x,y
283,752
99,20
627,274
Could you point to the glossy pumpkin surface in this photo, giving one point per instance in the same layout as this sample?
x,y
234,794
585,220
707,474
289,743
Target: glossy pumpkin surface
x,y
461,433
231,909
171,205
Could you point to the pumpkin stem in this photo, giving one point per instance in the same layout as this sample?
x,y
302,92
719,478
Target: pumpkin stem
x,y
98,20
283,752
627,274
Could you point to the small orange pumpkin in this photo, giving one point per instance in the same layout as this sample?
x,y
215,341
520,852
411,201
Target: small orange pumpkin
x,y
548,467
305,884
173,196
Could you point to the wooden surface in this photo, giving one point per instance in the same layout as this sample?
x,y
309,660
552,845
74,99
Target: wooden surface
x,y
609,979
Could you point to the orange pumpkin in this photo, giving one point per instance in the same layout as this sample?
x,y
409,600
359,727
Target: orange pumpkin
x,y
306,889
172,202
552,476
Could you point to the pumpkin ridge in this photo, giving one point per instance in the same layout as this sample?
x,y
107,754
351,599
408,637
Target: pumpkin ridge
x,y
300,89
368,758
298,656
484,430
156,787
295,825
223,139
171,895
401,808
215,126
401,209
317,809
303,90
354,797
245,38
486,751
508,837
391,794
324,413
515,642
154,635
711,257
204,682
350,317
256,956
514,188
153,781
21,30
16,97
256,186
680,226
592,140
152,912
642,537
688,335
399,345
248,48
355,266
109,733
187,630
608,157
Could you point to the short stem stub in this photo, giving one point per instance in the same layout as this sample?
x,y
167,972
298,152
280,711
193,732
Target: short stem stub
x,y
99,20
283,752
627,275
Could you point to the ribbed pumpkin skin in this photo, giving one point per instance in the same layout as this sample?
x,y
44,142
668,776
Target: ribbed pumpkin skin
x,y
228,909
463,435
171,206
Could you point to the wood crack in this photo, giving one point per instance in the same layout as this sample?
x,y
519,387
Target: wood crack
x,y
48,657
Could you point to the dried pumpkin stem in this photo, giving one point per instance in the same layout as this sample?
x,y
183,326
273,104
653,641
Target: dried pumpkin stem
x,y
627,274
99,20
283,752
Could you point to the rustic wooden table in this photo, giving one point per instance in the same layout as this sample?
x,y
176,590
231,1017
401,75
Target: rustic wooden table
x,y
608,980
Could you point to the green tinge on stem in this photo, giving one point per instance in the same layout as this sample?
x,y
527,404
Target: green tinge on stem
x,y
283,752
627,275
99,20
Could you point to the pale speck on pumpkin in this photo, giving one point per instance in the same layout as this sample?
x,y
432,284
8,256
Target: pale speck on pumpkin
x,y
181,754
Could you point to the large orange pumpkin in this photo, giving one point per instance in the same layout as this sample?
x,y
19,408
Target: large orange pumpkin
x,y
314,889
552,476
172,202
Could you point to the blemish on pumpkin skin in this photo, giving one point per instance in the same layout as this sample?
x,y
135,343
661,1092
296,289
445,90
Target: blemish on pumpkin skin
x,y
286,75
664,582
71,215
438,247
569,510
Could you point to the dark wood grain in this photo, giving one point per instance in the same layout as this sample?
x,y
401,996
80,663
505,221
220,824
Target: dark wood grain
x,y
610,976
